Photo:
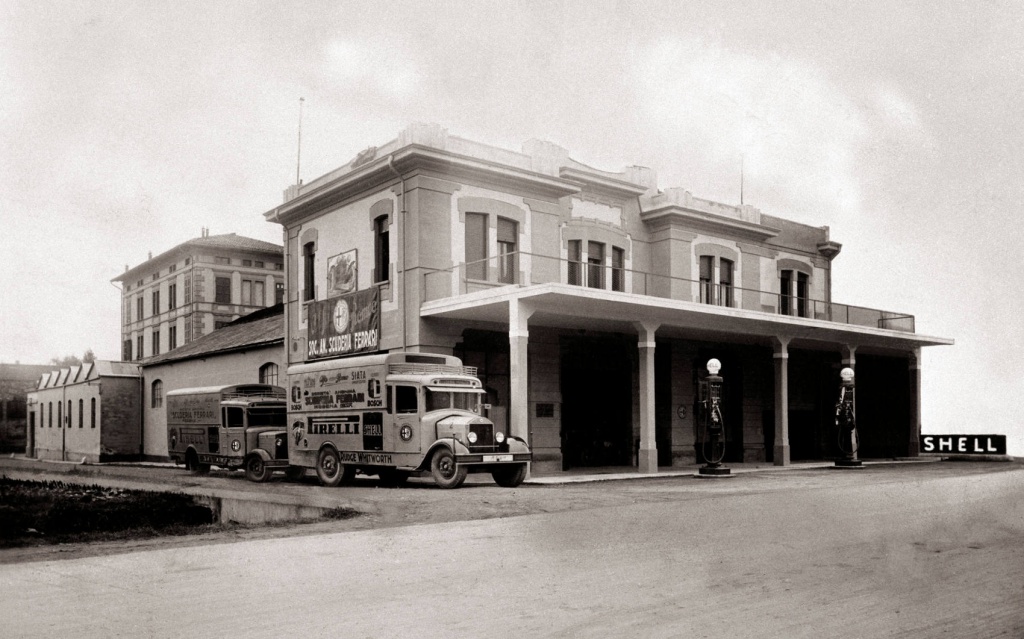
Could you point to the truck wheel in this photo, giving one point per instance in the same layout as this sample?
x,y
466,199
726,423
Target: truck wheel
x,y
392,478
256,469
510,476
192,463
447,473
295,473
330,471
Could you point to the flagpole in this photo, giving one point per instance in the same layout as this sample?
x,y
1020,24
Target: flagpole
x,y
298,157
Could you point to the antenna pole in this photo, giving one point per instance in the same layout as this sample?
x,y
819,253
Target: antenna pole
x,y
298,156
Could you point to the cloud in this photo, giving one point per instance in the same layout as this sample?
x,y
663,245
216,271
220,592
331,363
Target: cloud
x,y
387,69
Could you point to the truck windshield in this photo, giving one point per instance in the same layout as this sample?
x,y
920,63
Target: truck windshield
x,y
267,416
442,399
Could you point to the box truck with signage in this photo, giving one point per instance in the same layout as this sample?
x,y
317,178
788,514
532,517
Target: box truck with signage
x,y
394,415
236,426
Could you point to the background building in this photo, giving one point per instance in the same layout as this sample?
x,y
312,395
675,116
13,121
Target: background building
x,y
591,301
16,381
247,350
195,288
88,412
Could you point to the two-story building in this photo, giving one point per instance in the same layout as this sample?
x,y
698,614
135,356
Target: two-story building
x,y
195,288
591,302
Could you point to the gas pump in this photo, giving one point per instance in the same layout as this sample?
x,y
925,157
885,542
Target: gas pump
x,y
846,422
714,426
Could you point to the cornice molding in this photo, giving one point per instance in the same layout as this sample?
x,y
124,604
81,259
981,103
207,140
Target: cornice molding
x,y
676,215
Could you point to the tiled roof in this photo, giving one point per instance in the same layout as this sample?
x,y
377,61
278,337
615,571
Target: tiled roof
x,y
242,334
226,241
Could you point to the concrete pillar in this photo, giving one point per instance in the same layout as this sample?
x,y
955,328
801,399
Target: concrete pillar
x,y
647,456
781,357
914,443
518,339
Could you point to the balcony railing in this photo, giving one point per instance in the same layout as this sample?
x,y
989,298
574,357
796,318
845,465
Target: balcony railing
x,y
524,269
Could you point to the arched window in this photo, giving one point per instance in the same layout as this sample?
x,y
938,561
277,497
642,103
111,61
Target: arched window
x,y
157,394
268,374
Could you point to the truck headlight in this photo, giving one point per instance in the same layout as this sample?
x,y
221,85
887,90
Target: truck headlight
x,y
499,437
471,436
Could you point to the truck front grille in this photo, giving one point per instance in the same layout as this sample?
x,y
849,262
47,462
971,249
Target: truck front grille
x,y
484,435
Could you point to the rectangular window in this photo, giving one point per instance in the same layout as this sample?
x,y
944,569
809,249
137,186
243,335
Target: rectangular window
x,y
405,399
172,297
595,265
725,277
92,411
127,316
188,330
138,309
576,262
618,274
786,292
188,260
139,344
156,342
246,292
707,278
246,262
259,295
381,250
223,290
81,413
156,303
279,293
188,289
70,423
476,246
801,294
507,247
60,414
278,266
221,260
172,268
156,276
139,283
126,351
172,338
51,414
308,280
258,263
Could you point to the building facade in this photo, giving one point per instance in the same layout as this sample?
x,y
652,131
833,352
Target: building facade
x,y
195,288
590,302
247,350
16,382
88,412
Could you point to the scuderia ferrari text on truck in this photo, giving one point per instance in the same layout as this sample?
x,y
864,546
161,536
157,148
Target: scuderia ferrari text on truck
x,y
393,415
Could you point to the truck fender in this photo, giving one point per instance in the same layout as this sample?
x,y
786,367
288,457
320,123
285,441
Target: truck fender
x,y
453,445
517,445
262,454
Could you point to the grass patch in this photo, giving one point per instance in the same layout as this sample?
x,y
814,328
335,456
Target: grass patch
x,y
39,512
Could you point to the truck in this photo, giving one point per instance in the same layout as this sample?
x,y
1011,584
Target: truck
x,y
233,426
394,415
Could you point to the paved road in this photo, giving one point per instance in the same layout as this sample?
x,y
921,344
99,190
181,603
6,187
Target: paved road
x,y
858,554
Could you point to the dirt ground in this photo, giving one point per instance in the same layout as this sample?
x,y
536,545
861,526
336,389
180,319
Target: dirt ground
x,y
420,502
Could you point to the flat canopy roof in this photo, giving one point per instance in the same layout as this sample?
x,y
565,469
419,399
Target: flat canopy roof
x,y
575,307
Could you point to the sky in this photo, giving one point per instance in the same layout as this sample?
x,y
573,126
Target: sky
x,y
125,128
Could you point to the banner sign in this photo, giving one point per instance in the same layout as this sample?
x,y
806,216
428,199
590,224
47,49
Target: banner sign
x,y
344,325
964,444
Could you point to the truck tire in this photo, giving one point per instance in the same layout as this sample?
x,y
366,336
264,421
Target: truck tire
x,y
446,472
192,463
330,471
509,476
256,469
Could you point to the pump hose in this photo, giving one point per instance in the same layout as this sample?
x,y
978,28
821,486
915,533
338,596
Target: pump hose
x,y
704,448
854,440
